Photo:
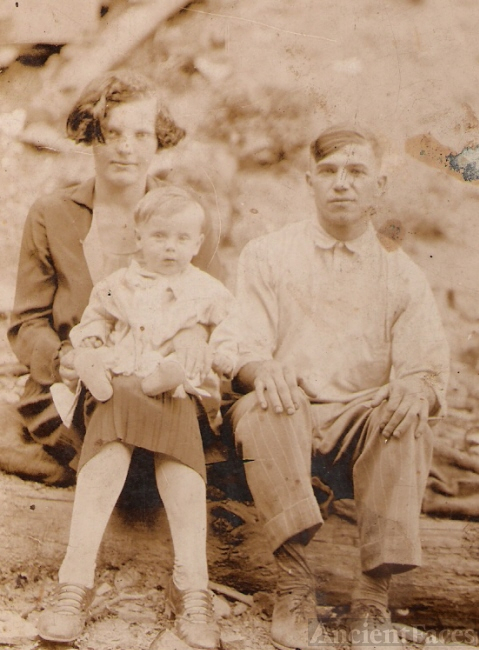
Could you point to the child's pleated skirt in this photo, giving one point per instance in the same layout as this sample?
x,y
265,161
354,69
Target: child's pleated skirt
x,y
164,424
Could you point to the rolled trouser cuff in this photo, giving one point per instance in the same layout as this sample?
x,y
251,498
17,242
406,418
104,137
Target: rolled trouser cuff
x,y
302,516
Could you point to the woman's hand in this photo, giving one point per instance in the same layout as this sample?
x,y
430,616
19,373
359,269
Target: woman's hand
x,y
193,352
67,370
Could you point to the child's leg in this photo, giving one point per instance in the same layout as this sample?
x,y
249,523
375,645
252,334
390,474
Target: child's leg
x,y
183,493
167,375
92,370
99,484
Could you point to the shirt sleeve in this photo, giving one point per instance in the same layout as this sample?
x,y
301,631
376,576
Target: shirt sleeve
x,y
225,335
31,332
257,305
98,318
419,345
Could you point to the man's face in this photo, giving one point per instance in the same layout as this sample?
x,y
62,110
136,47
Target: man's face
x,y
130,143
345,185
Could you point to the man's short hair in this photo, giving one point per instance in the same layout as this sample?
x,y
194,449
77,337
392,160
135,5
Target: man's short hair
x,y
337,137
85,122
166,202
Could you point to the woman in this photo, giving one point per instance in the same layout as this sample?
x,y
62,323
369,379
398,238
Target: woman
x,y
76,236
72,239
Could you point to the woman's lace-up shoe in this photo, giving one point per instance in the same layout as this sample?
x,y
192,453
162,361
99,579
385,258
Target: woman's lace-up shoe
x,y
195,622
64,618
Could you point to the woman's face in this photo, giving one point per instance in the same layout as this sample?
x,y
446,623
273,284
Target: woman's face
x,y
130,143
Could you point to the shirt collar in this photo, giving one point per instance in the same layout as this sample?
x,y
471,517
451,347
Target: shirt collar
x,y
176,283
361,245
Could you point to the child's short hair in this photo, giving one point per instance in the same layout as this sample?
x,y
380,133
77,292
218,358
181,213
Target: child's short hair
x,y
85,122
337,137
165,202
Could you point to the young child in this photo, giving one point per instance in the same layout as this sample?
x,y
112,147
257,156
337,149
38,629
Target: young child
x,y
124,355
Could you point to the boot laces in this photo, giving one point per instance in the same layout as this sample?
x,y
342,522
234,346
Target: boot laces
x,y
69,599
295,581
370,614
197,606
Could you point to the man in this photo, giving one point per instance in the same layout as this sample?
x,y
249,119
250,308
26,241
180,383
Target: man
x,y
345,358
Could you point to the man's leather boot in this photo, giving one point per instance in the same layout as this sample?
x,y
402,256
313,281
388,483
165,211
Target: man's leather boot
x,y
370,627
294,615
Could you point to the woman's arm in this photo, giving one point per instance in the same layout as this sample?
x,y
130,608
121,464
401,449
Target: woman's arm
x,y
31,332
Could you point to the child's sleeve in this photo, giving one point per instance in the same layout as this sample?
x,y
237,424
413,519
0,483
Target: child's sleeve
x,y
225,330
98,319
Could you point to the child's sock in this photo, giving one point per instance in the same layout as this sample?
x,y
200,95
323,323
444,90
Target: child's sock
x,y
99,484
167,375
91,370
372,589
183,493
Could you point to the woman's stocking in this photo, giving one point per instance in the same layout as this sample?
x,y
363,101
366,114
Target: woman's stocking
x,y
183,493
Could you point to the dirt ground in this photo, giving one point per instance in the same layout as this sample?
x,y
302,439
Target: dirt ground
x,y
252,82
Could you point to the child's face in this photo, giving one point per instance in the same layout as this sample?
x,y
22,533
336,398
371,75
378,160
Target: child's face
x,y
168,244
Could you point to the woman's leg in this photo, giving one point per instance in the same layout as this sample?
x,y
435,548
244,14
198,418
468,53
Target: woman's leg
x,y
183,493
99,484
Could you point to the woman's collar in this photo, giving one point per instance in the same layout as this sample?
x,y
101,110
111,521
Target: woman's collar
x,y
83,192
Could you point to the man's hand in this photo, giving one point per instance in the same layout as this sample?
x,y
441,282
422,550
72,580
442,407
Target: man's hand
x,y
275,385
67,370
408,404
193,352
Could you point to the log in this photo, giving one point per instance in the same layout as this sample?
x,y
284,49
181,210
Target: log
x,y
67,73
35,521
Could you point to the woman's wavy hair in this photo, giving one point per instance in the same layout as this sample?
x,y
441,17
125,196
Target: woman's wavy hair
x,y
84,124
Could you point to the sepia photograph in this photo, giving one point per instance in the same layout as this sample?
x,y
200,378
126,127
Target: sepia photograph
x,y
260,222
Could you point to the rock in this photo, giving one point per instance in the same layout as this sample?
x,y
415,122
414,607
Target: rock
x,y
472,440
215,69
14,629
127,578
8,54
103,589
167,640
221,606
263,603
232,641
135,613
411,634
45,136
11,124
239,608
325,613
465,302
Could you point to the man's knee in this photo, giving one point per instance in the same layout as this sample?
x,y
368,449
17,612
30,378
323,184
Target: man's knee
x,y
249,420
416,440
